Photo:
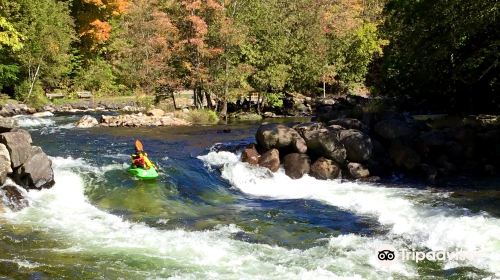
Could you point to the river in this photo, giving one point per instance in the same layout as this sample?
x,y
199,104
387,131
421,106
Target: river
x,y
210,216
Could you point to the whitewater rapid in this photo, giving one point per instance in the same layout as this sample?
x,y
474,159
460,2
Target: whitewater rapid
x,y
65,213
409,214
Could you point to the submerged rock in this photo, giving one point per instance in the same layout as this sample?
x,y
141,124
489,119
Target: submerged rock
x,y
297,165
12,197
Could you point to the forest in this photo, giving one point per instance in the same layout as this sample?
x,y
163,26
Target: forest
x,y
420,55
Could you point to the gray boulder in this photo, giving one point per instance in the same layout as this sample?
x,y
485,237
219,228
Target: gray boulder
x,y
19,145
87,121
279,136
270,160
36,172
393,129
7,124
297,165
357,144
325,169
5,165
404,156
325,143
357,171
349,123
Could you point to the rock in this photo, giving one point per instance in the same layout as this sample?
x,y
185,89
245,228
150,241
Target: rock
x,y
7,124
5,165
404,156
13,197
48,108
357,144
297,165
325,169
156,113
357,171
43,114
325,143
433,138
185,110
279,136
36,172
19,145
349,123
269,115
429,172
87,121
393,129
270,160
250,155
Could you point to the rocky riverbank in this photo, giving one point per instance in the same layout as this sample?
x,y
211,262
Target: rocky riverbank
x,y
154,117
23,166
384,145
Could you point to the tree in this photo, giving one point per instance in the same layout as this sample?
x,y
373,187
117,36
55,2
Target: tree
x,y
46,56
10,42
443,54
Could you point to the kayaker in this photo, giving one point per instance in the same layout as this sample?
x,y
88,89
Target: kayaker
x,y
140,158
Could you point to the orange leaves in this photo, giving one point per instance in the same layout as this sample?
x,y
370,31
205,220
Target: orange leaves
x,y
199,25
99,31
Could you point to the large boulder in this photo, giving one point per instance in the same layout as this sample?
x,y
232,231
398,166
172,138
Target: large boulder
x,y
325,143
19,145
349,123
393,129
5,165
36,172
357,170
404,156
87,121
43,114
281,137
7,124
156,113
325,169
270,160
250,155
297,165
357,144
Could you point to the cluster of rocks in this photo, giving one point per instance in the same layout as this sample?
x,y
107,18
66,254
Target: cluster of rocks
x,y
387,144
21,164
9,110
323,151
154,117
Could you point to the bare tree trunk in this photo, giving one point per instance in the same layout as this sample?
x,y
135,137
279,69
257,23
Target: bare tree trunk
x,y
208,96
33,80
258,103
324,89
173,100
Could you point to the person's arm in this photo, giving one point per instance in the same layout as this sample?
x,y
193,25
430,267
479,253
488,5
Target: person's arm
x,y
148,162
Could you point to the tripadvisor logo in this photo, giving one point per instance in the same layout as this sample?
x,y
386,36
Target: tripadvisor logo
x,y
387,254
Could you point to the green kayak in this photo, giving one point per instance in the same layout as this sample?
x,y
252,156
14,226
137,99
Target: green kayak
x,y
142,173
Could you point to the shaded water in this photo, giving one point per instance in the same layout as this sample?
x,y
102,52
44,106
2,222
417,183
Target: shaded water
x,y
238,223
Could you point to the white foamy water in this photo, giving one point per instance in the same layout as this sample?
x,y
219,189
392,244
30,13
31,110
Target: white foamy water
x,y
30,121
65,213
409,221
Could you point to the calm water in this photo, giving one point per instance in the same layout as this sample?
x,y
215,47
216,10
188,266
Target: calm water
x,y
211,217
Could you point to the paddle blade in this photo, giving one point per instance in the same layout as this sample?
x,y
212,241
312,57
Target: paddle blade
x,y
138,145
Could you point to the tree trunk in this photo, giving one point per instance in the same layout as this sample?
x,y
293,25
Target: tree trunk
x,y
258,103
324,89
33,80
208,96
173,100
